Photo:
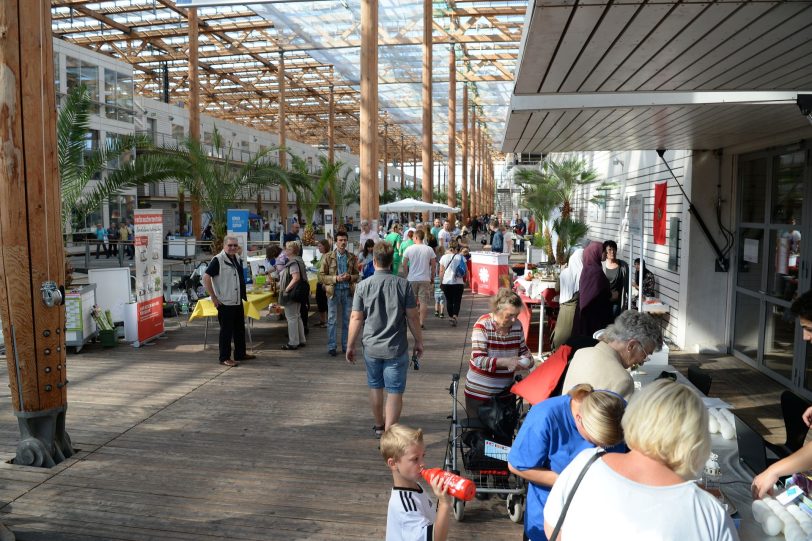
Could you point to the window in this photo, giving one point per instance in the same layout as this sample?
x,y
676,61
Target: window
x,y
78,73
178,132
118,96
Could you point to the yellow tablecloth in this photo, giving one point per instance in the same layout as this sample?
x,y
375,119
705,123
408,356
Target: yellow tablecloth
x,y
255,303
252,306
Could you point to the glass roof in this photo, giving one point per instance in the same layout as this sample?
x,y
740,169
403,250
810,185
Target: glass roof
x,y
239,49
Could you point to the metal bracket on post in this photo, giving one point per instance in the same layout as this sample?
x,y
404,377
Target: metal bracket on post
x,y
44,442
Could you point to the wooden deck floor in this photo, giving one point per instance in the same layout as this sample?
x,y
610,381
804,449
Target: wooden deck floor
x,y
174,446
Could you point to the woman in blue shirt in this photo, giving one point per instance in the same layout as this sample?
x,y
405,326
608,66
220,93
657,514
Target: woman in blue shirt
x,y
553,433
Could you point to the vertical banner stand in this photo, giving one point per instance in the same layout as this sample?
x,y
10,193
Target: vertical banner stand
x,y
636,215
149,293
328,224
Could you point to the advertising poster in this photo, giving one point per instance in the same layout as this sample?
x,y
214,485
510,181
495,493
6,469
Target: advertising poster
x,y
237,225
660,195
149,272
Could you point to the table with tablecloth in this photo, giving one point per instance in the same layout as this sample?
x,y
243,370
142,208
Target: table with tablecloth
x,y
533,334
254,304
736,480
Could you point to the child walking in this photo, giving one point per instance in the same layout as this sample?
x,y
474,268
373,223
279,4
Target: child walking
x,y
439,296
411,512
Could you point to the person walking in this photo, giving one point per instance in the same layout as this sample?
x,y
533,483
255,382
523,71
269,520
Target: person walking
x,y
367,234
420,263
102,241
384,306
453,270
338,274
444,236
224,282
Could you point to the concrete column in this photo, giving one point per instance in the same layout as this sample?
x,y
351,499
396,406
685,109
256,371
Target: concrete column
x,y
369,111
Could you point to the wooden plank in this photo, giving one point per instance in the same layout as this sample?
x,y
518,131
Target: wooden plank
x,y
774,26
763,60
646,19
610,26
238,454
646,49
579,28
544,32
689,40
672,75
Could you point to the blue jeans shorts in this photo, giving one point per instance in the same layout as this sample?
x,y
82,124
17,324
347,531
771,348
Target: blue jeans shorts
x,y
387,373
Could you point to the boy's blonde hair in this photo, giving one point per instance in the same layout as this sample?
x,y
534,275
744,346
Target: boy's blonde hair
x,y
668,422
398,439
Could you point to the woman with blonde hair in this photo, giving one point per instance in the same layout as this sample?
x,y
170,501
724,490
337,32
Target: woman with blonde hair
x,y
556,431
648,493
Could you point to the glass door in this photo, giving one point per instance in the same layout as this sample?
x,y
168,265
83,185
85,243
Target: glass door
x,y
773,263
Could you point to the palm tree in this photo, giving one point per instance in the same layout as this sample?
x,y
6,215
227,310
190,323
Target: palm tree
x,y
310,189
219,181
343,190
554,186
77,167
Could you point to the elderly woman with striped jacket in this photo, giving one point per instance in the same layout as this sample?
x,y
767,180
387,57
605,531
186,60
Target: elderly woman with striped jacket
x,y
498,350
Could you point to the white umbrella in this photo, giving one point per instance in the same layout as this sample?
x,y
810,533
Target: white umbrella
x,y
409,205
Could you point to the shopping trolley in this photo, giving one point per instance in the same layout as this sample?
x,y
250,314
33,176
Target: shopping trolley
x,y
472,452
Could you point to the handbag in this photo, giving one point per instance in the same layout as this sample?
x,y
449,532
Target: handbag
x,y
563,514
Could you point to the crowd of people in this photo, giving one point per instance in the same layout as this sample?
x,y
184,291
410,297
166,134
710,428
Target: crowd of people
x,y
601,437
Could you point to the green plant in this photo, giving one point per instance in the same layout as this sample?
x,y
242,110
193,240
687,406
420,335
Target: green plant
x,y
343,190
219,181
569,232
125,159
554,185
601,196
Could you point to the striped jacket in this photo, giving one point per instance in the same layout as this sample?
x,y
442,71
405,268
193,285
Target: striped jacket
x,y
484,379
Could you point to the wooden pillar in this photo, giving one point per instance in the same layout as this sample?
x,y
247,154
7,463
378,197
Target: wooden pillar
x,y
466,209
194,121
402,170
474,194
32,256
385,157
369,112
331,134
452,131
427,136
331,123
283,156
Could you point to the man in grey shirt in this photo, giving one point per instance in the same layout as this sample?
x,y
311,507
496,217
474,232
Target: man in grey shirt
x,y
383,306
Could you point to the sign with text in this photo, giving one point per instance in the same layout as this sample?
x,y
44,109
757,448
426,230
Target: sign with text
x,y
237,225
149,272
636,214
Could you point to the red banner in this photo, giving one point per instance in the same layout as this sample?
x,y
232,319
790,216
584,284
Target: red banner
x,y
660,192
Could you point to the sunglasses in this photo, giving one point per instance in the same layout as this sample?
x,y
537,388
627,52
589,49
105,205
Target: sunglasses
x,y
233,245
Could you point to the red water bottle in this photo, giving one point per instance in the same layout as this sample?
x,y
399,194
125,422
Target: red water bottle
x,y
458,487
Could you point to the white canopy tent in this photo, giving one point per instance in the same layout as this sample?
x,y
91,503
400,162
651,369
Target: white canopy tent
x,y
414,205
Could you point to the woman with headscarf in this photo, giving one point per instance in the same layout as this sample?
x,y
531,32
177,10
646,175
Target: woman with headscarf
x,y
594,297
568,298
